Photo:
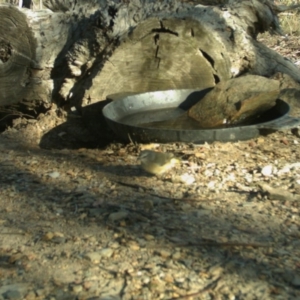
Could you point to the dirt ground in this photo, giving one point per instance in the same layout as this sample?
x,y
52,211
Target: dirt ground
x,y
79,219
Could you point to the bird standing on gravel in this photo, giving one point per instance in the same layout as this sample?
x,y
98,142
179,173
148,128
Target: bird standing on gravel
x,y
157,163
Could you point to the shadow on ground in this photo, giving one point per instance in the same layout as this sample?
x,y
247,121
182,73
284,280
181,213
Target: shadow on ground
x,y
45,205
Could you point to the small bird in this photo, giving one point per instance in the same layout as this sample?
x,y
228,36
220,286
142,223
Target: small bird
x,y
157,163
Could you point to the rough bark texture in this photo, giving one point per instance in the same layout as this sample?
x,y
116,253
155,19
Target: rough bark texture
x,y
28,54
81,51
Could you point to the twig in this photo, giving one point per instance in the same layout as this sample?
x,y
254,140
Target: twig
x,y
130,139
208,242
205,289
137,186
12,113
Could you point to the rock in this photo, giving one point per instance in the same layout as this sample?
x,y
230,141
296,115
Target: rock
x,y
55,237
133,245
164,253
169,278
61,278
117,216
40,292
187,179
94,257
77,288
106,252
15,257
296,281
176,255
267,170
58,240
113,297
54,174
14,291
236,101
149,237
13,295
31,296
278,193
148,204
48,236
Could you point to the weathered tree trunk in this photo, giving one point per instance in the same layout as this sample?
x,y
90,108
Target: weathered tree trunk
x,y
81,51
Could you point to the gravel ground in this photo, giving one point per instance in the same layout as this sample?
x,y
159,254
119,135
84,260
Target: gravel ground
x,y
83,222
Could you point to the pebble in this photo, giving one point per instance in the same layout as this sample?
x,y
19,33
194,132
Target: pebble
x,y
164,253
13,295
14,291
133,245
48,236
187,179
296,281
94,257
77,288
31,296
15,257
149,237
54,174
176,255
106,252
148,204
117,216
278,193
169,278
267,170
40,292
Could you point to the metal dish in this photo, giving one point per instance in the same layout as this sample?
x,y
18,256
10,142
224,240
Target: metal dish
x,y
120,115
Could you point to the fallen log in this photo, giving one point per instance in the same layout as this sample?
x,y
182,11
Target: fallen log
x,y
80,53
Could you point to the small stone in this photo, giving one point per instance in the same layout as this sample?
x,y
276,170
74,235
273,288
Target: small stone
x,y
185,207
169,278
216,271
48,236
77,288
278,193
30,296
180,279
54,174
260,140
87,284
117,216
284,141
58,240
187,179
296,281
133,245
15,257
40,292
267,170
149,237
66,253
62,278
94,257
114,245
14,291
13,295
148,204
165,253
106,252
176,255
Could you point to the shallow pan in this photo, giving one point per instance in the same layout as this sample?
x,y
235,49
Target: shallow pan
x,y
120,116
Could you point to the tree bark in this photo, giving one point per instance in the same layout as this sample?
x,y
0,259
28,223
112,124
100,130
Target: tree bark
x,y
80,52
